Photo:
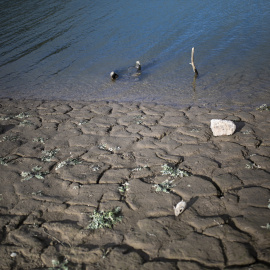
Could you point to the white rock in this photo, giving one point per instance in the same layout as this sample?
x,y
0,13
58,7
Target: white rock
x,y
179,208
221,127
13,254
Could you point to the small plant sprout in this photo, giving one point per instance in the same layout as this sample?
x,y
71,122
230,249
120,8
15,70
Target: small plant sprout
x,y
165,186
4,160
69,162
38,193
39,140
266,227
10,138
123,188
263,107
138,119
35,172
174,172
105,252
105,147
59,265
95,168
25,123
22,115
84,121
195,130
252,166
139,168
5,118
49,155
105,219
246,132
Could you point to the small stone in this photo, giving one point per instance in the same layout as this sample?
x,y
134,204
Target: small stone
x,y
13,254
222,127
179,208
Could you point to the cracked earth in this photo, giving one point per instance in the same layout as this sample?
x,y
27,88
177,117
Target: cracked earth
x,y
61,161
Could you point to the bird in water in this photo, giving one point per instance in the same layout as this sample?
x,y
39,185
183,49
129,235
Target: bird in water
x,y
132,71
114,76
138,66
135,70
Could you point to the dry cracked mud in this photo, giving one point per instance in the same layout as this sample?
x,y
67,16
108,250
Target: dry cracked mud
x,y
61,161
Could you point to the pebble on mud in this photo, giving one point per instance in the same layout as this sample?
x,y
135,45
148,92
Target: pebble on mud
x,y
179,208
13,254
222,127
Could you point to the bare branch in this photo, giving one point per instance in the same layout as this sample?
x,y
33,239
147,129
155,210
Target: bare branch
x,y
192,62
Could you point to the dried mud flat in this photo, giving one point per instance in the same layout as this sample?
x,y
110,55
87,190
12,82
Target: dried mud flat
x,y
61,161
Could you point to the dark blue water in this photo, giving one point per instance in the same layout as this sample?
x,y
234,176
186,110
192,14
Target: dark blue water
x,y
66,50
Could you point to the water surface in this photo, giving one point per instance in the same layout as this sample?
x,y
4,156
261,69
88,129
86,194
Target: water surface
x,y
66,50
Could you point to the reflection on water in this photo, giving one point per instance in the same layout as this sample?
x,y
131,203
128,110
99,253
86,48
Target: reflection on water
x,y
67,49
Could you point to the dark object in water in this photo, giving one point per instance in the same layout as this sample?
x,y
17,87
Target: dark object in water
x,y
113,75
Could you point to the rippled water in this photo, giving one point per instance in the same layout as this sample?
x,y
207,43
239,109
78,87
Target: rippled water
x,y
58,49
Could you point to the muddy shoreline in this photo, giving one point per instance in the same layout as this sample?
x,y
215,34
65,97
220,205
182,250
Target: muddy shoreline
x,y
62,160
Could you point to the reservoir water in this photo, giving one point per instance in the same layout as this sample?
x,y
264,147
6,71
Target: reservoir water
x,y
57,49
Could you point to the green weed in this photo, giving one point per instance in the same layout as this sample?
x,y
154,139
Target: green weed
x,y
38,193
139,168
165,186
174,172
5,118
95,168
139,119
68,162
10,138
26,123
59,265
246,132
263,107
252,166
195,130
4,160
105,219
22,115
35,172
49,155
266,227
105,252
39,140
123,188
105,147
84,121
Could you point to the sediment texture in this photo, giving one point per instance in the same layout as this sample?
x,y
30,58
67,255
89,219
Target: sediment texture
x,y
60,161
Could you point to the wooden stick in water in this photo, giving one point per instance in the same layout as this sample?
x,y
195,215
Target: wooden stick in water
x,y
192,62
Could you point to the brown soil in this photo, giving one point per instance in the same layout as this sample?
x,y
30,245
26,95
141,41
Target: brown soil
x,y
45,218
